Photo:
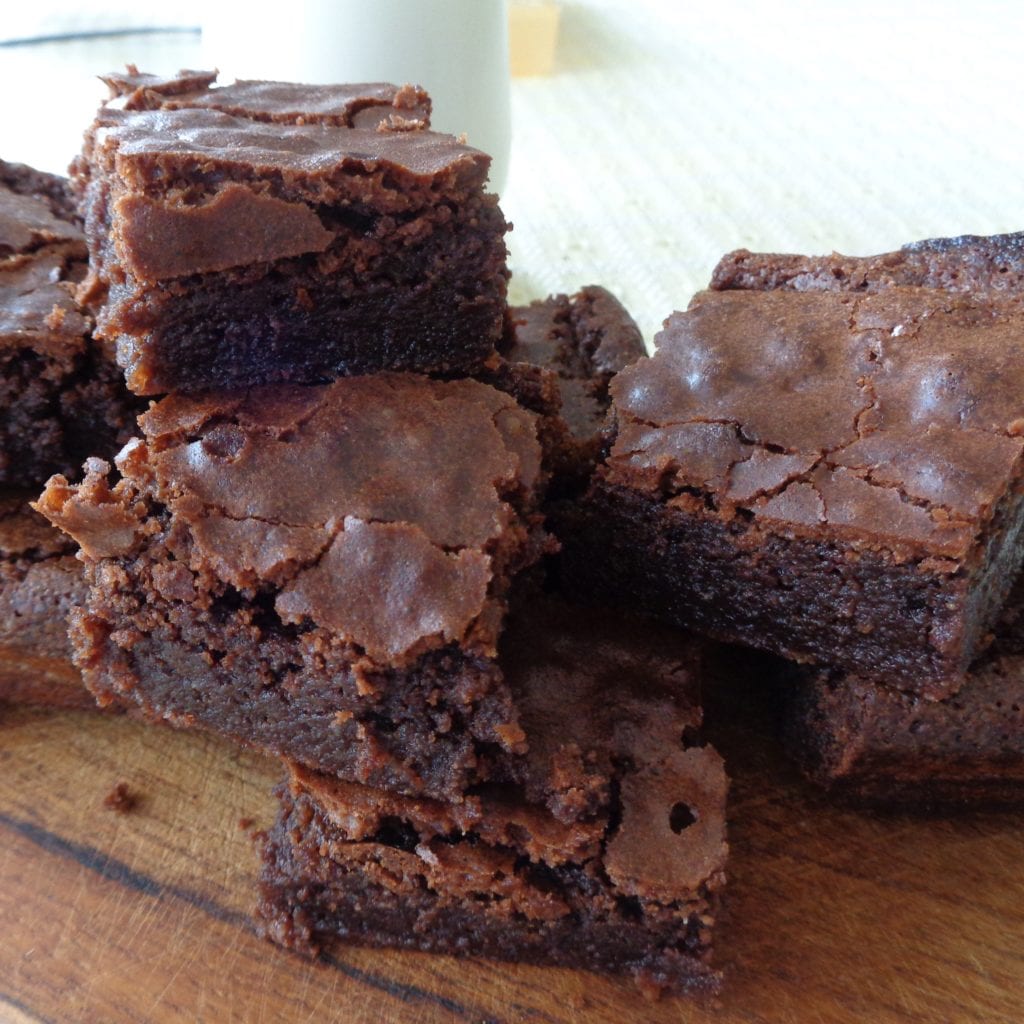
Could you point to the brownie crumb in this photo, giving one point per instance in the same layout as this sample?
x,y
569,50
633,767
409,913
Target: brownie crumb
x,y
121,800
245,824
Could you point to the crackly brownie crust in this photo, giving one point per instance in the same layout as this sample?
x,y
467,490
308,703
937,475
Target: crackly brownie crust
x,y
318,571
831,476
34,186
375,246
631,888
966,264
864,740
359,105
583,340
61,395
40,580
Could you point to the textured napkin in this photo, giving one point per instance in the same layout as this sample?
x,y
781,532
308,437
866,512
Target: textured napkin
x,y
671,133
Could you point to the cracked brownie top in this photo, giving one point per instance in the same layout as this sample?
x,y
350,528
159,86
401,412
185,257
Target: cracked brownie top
x,y
892,417
42,251
35,211
388,510
364,105
31,217
198,191
965,264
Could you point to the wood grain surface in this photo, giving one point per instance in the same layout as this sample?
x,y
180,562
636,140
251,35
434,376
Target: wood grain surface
x,y
833,915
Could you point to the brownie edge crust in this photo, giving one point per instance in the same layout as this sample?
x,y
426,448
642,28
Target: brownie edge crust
x,y
408,885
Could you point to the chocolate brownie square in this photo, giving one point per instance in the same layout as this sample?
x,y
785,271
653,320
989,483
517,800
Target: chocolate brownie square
x,y
361,105
267,232
40,580
318,571
630,886
867,741
61,395
831,475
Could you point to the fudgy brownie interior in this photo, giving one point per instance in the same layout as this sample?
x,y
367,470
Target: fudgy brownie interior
x,y
584,340
866,740
40,580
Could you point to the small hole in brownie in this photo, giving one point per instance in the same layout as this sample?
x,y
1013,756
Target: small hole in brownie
x,y
398,833
543,877
681,816
691,738
629,907
380,724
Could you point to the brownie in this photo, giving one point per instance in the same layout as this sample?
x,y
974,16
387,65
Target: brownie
x,y
61,395
830,475
269,232
40,580
631,887
318,571
363,105
583,340
24,223
867,741
966,264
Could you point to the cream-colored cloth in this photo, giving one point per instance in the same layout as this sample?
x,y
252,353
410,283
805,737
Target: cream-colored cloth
x,y
671,133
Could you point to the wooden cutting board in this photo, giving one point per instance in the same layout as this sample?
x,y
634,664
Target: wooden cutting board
x,y
833,915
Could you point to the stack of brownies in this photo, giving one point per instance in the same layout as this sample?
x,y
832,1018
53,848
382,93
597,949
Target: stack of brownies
x,y
326,537
329,535
825,460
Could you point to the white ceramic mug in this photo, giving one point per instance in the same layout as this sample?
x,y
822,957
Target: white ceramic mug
x,y
456,49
